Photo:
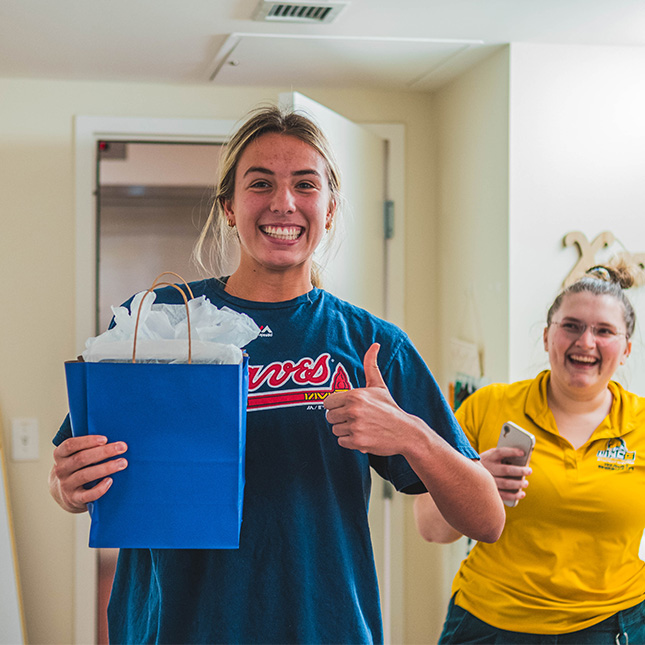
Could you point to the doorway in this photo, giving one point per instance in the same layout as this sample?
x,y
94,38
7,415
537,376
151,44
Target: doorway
x,y
152,200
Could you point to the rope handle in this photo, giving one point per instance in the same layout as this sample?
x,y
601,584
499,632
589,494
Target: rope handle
x,y
157,283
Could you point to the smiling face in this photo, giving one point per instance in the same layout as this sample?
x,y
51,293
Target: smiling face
x,y
583,366
281,205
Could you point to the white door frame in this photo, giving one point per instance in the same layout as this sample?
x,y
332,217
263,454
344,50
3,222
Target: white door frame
x,y
89,130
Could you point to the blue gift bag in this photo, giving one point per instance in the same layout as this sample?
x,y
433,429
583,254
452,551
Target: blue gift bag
x,y
185,426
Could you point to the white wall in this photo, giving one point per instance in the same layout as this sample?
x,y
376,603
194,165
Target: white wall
x,y
577,162
535,142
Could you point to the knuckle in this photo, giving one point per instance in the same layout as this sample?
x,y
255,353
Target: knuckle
x,y
77,461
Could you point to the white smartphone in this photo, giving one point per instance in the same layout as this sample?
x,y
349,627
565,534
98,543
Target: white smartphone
x,y
512,436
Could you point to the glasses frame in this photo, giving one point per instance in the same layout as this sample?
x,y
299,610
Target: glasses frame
x,y
600,340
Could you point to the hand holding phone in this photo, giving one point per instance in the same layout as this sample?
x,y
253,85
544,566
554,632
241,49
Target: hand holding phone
x,y
513,437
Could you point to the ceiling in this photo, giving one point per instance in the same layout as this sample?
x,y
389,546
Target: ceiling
x,y
402,45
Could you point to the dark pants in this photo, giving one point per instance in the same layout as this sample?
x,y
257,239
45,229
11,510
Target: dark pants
x,y
627,627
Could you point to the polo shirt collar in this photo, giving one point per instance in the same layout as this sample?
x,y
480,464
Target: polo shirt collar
x,y
622,416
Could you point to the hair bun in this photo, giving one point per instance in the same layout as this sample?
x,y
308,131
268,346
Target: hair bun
x,y
620,272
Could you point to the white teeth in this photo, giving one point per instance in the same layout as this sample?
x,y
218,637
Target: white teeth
x,y
283,232
583,359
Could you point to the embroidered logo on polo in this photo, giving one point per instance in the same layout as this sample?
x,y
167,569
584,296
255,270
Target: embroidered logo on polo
x,y
312,376
265,332
616,456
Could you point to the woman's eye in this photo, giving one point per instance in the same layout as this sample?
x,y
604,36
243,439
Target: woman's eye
x,y
260,183
605,331
570,326
305,185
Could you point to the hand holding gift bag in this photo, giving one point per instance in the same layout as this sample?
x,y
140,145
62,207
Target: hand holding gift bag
x,y
184,425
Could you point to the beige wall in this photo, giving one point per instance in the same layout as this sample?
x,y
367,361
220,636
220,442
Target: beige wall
x,y
470,245
472,171
37,264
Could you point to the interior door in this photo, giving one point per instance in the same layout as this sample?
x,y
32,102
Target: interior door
x,y
357,271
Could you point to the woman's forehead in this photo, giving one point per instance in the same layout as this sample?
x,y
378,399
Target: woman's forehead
x,y
590,304
281,147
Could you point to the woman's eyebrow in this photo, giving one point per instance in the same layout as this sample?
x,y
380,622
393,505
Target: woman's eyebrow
x,y
253,169
299,173
267,171
580,320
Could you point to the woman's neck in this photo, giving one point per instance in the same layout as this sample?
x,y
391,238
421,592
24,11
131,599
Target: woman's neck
x,y
267,286
577,417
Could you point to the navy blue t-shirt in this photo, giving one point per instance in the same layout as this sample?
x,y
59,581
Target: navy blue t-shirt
x,y
304,572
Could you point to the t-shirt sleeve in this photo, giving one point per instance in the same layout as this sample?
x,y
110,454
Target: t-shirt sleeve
x,y
465,415
64,432
416,391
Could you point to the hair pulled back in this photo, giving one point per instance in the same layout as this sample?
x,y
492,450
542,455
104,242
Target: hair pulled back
x,y
605,280
217,240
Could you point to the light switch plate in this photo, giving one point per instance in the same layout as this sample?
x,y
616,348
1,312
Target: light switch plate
x,y
24,439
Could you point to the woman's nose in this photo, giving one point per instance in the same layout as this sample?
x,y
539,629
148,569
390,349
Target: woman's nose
x,y
283,201
588,337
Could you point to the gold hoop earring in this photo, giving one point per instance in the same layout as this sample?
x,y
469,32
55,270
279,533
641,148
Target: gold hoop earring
x,y
328,225
230,223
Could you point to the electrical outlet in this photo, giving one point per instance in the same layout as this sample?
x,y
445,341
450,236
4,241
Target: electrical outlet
x,y
24,439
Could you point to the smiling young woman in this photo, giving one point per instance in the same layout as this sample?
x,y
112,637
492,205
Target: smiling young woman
x,y
566,568
586,345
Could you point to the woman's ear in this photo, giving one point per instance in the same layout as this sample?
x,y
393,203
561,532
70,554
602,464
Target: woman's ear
x,y
545,336
627,352
331,212
227,207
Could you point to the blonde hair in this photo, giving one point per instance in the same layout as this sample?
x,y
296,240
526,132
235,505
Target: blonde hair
x,y
610,279
217,249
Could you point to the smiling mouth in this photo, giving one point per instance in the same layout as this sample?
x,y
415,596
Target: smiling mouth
x,y
581,359
282,232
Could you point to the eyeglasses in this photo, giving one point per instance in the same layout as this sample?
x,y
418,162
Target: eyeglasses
x,y
603,335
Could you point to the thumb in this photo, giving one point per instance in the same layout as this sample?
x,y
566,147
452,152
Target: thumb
x,y
373,376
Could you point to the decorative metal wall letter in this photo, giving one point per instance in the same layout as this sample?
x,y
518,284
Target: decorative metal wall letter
x,y
588,251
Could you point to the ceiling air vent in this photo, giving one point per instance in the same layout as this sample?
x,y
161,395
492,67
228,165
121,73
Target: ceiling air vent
x,y
321,12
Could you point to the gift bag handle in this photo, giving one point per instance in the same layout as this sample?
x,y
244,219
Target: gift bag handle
x,y
156,283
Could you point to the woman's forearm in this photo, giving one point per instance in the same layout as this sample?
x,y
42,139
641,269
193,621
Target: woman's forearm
x,y
464,497
431,524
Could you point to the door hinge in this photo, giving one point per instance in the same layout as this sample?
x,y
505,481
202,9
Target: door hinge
x,y
388,219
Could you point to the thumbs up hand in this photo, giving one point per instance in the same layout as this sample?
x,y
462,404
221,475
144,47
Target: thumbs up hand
x,y
373,376
368,419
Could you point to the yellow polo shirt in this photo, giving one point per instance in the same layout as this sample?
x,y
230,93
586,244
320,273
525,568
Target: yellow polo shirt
x,y
568,556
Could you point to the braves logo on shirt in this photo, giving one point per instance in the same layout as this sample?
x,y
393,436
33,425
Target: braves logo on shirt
x,y
312,377
615,456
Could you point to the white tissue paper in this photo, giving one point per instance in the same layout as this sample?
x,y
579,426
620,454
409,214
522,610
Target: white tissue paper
x,y
218,335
